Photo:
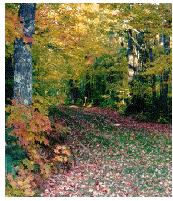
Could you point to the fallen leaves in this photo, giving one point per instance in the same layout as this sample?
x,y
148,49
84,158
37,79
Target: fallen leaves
x,y
122,159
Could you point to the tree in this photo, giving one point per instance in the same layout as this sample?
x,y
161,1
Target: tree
x,y
22,55
165,76
13,30
75,42
147,21
66,34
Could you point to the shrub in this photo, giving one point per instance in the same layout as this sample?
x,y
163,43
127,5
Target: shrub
x,y
29,127
29,130
21,186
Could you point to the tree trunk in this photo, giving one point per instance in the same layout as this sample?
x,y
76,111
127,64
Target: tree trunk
x,y
9,76
72,91
164,93
154,112
22,55
165,40
130,48
130,55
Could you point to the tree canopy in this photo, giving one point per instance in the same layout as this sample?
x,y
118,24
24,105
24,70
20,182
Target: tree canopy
x,y
89,43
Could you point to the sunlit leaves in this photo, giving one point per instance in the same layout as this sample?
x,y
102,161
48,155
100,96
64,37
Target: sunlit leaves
x,y
161,64
13,28
154,18
62,153
65,33
74,31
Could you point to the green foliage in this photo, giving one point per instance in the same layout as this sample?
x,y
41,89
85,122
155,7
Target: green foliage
x,y
164,119
122,107
79,102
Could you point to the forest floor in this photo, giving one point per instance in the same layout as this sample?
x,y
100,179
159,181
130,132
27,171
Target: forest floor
x,y
114,156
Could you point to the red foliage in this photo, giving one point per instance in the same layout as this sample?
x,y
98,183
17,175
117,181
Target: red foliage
x,y
28,39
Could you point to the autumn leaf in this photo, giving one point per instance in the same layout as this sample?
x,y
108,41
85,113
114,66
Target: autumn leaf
x,y
21,172
10,176
13,183
14,101
67,152
25,141
46,142
16,123
18,132
28,39
23,127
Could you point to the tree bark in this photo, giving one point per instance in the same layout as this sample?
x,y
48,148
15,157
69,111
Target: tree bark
x,y
22,55
9,74
154,111
130,56
165,41
164,93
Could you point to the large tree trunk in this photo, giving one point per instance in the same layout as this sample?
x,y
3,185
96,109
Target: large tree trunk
x,y
22,55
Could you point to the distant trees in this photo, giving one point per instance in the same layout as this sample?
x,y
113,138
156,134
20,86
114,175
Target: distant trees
x,y
109,53
165,41
145,43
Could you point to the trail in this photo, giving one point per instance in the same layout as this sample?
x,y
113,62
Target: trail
x,y
115,156
114,119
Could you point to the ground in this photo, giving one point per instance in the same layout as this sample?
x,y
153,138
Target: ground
x,y
114,155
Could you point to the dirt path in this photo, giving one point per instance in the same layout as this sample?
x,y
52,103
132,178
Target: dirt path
x,y
116,156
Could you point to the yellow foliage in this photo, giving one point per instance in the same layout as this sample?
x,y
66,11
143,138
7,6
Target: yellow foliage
x,y
21,186
63,153
81,28
67,152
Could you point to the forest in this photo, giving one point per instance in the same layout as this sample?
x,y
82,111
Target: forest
x,y
88,99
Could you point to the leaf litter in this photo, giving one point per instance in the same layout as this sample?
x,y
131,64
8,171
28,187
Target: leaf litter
x,y
115,156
